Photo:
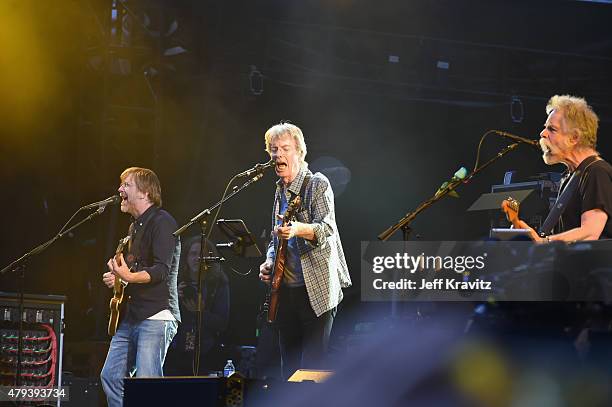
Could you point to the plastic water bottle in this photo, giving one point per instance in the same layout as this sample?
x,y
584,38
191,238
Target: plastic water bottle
x,y
229,369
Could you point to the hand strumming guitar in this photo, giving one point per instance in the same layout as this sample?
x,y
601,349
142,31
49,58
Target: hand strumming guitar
x,y
108,279
265,271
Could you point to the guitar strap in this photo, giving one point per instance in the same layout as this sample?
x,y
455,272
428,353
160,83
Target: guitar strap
x,y
303,189
302,195
136,232
561,203
131,234
305,183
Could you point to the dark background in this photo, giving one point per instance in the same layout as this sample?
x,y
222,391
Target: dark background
x,y
87,93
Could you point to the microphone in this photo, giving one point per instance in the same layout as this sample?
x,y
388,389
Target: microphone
x,y
258,168
532,143
112,200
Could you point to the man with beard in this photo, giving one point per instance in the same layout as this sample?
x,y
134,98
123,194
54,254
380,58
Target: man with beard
x,y
150,269
582,210
569,137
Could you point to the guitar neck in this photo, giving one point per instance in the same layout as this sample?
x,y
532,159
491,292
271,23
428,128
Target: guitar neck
x,y
279,264
520,224
118,281
118,284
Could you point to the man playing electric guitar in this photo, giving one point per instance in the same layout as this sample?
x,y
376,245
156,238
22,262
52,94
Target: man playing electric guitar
x,y
315,269
583,208
150,269
569,138
118,291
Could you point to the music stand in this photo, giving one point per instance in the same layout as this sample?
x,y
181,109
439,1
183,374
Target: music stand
x,y
241,241
493,201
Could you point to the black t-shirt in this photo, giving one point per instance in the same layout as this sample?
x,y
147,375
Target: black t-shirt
x,y
594,192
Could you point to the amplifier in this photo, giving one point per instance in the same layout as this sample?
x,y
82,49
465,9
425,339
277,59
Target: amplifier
x,y
539,196
233,391
42,339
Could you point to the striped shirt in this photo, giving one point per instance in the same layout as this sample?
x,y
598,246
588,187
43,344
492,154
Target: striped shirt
x,y
323,263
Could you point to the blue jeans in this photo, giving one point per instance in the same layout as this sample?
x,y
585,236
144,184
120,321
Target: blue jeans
x,y
137,349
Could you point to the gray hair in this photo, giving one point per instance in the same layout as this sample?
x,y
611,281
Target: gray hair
x,y
285,128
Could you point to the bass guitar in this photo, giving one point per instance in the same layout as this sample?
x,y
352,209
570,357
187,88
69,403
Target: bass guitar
x,y
279,263
118,289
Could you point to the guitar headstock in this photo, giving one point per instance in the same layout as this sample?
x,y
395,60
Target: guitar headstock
x,y
291,209
122,243
510,207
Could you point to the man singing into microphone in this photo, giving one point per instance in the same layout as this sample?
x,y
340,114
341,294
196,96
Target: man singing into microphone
x,y
569,138
315,268
150,271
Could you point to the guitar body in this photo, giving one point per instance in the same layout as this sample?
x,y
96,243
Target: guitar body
x,y
114,305
118,290
279,263
277,279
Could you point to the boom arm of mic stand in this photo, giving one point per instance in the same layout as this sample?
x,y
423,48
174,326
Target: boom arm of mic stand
x,y
40,248
208,211
410,216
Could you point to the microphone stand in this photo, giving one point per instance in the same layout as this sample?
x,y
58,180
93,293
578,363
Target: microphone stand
x,y
452,185
20,264
206,212
203,258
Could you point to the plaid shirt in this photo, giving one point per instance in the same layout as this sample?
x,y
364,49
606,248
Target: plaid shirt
x,y
323,264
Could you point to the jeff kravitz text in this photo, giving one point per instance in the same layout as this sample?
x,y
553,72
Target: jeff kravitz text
x,y
436,284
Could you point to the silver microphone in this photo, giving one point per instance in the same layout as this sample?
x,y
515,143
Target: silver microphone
x,y
111,200
519,139
258,168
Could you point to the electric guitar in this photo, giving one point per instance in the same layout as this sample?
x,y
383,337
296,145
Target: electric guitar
x,y
118,289
279,263
510,207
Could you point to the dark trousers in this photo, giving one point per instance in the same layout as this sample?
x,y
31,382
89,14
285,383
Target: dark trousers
x,y
303,338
